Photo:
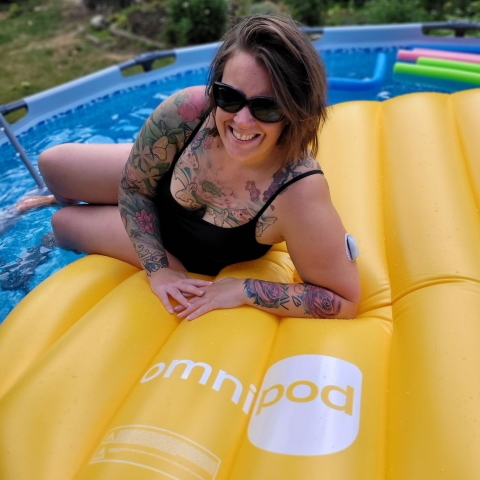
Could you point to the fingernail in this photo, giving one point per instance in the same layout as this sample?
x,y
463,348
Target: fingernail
x,y
189,318
201,292
189,304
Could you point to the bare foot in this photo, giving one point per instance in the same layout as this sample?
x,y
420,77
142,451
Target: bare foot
x,y
33,202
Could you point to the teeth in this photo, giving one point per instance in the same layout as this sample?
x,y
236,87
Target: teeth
x,y
242,137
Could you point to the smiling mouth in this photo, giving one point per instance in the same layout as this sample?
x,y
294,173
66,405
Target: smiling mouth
x,y
243,138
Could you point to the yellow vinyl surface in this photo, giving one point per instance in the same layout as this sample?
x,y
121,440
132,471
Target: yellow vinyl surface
x,y
99,382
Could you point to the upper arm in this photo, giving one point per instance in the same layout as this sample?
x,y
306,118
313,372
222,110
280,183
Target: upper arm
x,y
315,238
160,138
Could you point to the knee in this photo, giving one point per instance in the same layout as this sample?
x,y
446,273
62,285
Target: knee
x,y
64,229
51,165
47,157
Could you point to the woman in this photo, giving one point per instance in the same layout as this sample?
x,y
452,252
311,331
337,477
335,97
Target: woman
x,y
205,184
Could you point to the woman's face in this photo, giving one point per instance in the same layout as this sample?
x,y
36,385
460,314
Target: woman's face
x,y
246,139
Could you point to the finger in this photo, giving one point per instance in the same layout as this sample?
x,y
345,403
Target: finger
x,y
178,296
165,300
191,289
186,311
195,310
205,308
200,283
179,308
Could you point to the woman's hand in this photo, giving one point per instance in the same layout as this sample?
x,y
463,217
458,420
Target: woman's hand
x,y
166,282
225,293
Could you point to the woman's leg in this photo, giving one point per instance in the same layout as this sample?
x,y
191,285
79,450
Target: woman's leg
x,y
98,229
84,172
90,173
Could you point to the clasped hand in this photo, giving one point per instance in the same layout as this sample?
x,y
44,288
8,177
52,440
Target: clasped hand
x,y
195,297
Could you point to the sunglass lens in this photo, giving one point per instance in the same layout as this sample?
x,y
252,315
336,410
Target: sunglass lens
x,y
228,99
266,111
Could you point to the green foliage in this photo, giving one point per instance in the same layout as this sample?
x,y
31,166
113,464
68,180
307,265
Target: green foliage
x,y
461,11
146,19
264,8
440,7
37,23
107,5
395,11
348,3
14,10
475,11
307,12
347,14
196,21
239,9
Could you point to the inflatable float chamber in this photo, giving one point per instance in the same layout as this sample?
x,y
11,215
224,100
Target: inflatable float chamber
x,y
99,382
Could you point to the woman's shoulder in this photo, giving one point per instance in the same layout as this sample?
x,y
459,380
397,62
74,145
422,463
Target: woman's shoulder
x,y
301,181
296,170
185,106
191,102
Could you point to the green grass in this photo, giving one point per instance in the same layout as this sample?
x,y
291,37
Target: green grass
x,y
42,47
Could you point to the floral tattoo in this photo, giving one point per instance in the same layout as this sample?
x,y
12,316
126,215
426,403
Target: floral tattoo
x,y
254,191
189,110
316,301
267,294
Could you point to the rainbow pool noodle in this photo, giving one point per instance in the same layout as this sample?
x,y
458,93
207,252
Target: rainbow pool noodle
x,y
437,72
412,55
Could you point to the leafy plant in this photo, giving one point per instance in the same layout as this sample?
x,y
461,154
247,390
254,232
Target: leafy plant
x,y
264,8
395,11
239,9
146,19
109,5
15,10
307,12
340,14
196,21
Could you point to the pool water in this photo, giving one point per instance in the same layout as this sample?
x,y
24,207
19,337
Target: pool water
x,y
28,254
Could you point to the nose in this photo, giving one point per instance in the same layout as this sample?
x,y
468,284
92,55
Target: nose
x,y
244,117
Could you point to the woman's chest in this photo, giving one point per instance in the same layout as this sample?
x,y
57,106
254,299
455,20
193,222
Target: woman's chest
x,y
230,199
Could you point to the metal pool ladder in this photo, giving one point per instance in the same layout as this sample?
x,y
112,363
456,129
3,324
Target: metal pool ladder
x,y
5,126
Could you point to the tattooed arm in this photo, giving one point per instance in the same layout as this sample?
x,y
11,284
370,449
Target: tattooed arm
x,y
297,300
301,300
161,137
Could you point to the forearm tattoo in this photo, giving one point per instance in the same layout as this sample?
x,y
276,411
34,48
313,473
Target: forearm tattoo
x,y
267,294
315,301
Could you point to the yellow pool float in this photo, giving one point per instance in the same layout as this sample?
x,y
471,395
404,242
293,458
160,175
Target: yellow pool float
x,y
98,381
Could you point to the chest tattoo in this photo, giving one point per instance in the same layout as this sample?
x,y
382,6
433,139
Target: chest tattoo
x,y
210,187
223,207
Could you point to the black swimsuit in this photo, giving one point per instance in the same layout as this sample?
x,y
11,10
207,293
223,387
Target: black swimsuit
x,y
201,246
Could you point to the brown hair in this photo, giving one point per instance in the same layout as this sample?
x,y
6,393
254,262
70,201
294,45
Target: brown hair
x,y
296,72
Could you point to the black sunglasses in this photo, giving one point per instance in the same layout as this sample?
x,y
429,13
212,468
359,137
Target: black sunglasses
x,y
264,109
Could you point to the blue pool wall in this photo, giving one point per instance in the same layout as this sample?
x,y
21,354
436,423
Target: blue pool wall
x,y
57,100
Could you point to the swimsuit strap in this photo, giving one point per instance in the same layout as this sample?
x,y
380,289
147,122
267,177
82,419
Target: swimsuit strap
x,y
283,187
188,142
